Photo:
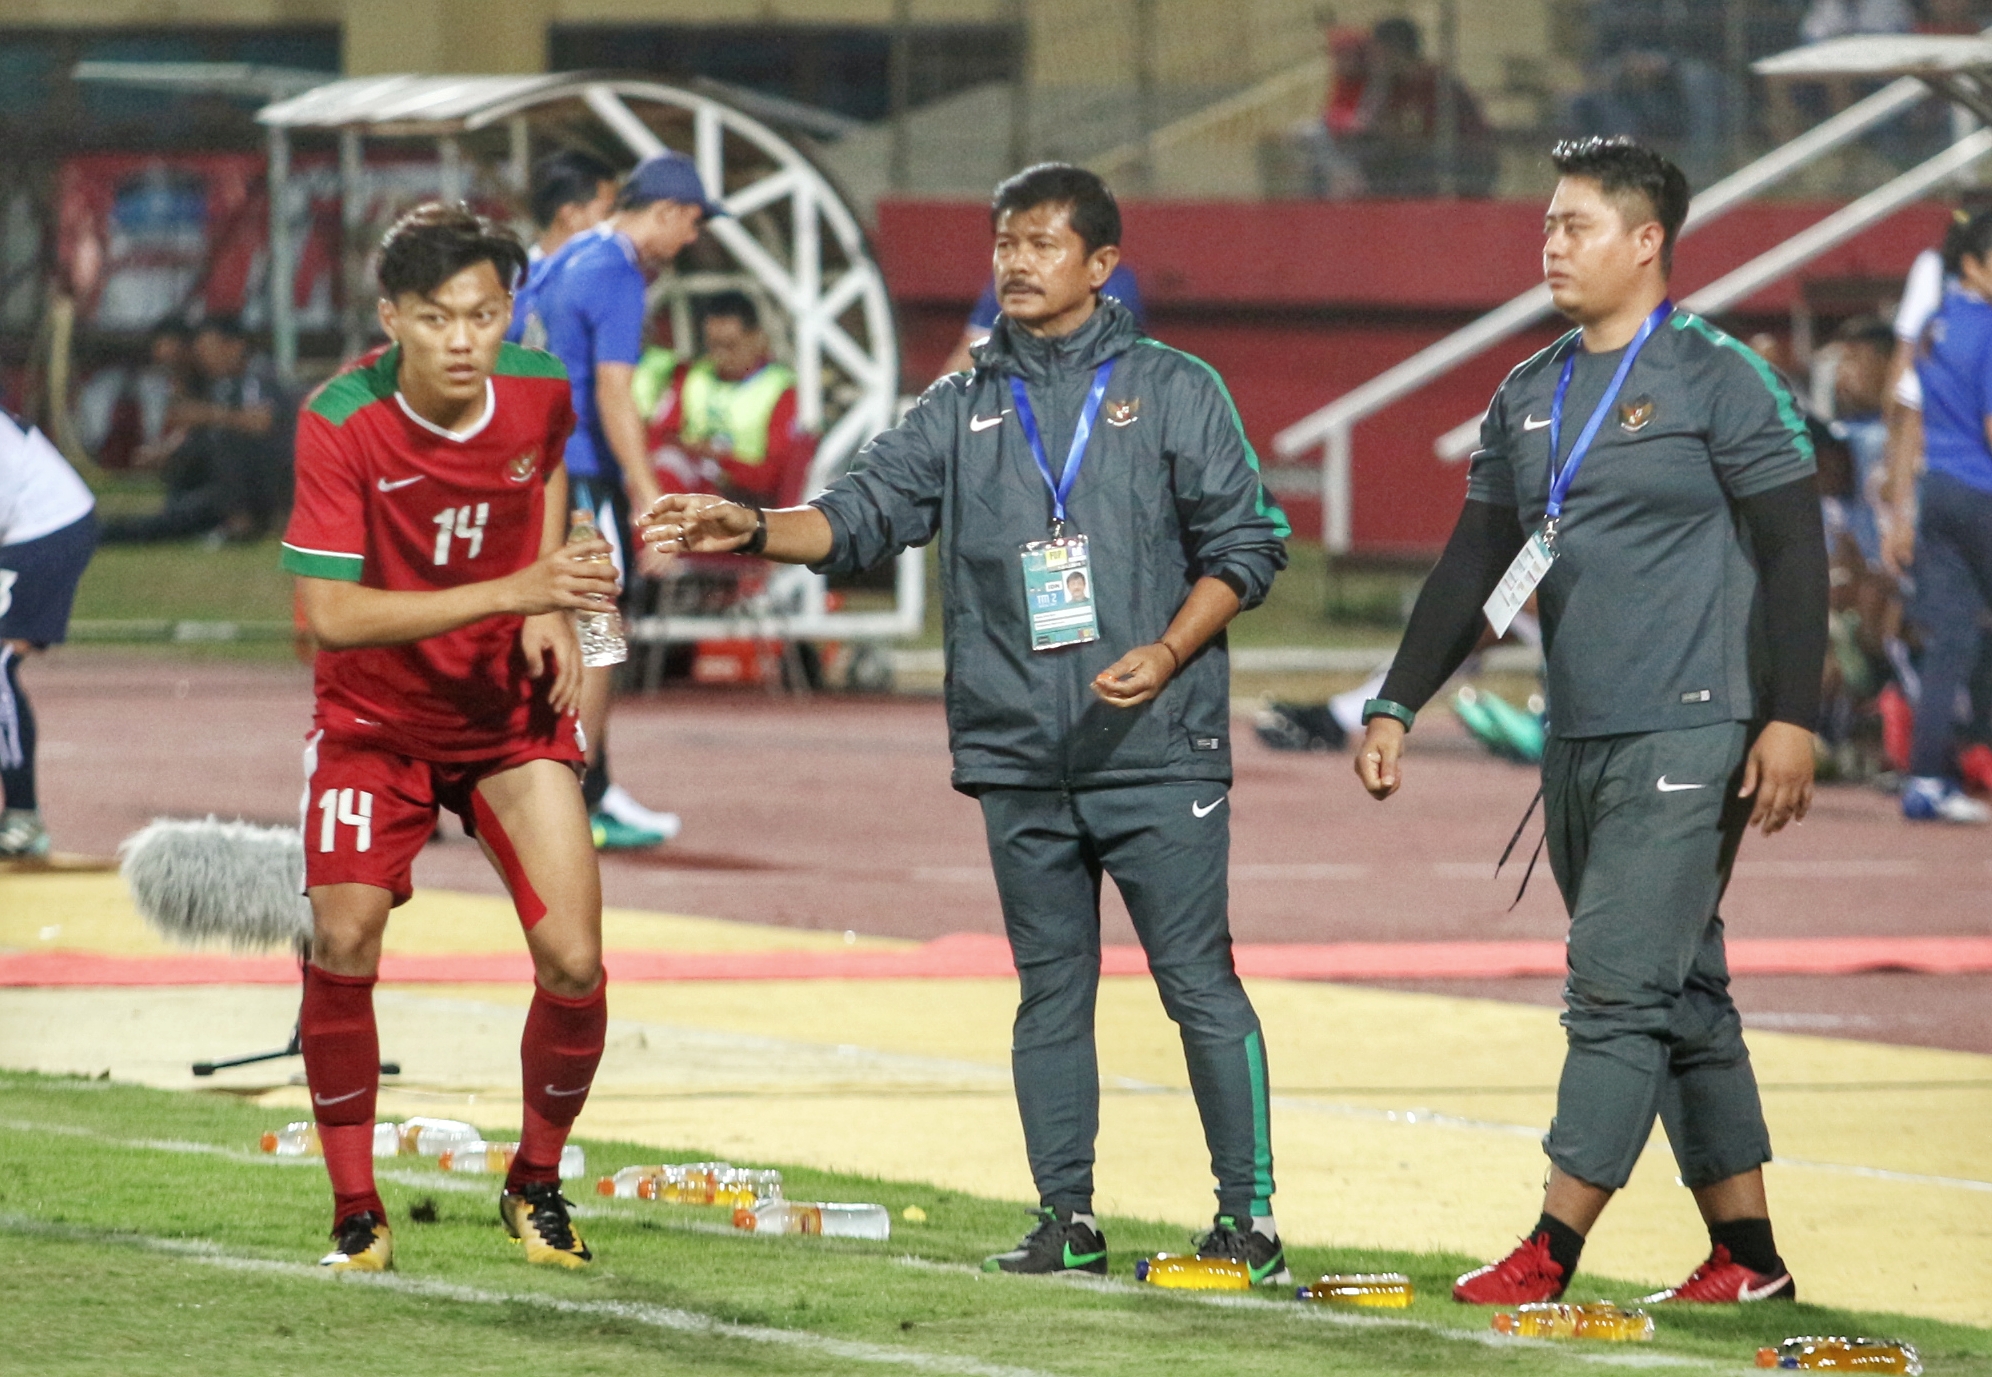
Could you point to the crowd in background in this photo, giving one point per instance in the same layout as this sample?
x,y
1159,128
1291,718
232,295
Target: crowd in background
x,y
1396,123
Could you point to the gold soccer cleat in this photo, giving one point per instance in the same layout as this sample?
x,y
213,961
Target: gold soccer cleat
x,y
537,1217
364,1244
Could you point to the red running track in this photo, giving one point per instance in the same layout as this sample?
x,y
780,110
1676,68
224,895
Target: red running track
x,y
972,955
834,813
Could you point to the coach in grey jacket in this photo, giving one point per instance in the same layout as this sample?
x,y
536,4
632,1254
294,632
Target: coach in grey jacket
x,y
1101,519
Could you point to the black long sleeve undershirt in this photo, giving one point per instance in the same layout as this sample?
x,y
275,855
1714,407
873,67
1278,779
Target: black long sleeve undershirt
x,y
1786,532
1445,621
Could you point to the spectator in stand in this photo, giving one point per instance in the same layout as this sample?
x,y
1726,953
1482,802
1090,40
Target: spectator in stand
x,y
1953,540
1826,19
1655,77
1121,286
1381,133
1951,16
727,423
226,460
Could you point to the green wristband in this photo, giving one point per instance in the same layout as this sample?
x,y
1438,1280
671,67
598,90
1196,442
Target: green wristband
x,y
1383,707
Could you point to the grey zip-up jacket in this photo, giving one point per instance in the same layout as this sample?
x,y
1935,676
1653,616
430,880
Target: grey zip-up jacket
x,y
1169,492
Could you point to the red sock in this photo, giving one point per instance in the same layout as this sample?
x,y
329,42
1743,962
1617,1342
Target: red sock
x,y
559,1053
342,1067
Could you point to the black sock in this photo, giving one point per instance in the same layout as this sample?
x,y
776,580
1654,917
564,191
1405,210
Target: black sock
x,y
1566,1245
1749,1242
595,782
17,735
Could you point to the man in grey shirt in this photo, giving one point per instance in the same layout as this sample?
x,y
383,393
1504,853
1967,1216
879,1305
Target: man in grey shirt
x,y
1100,521
1651,481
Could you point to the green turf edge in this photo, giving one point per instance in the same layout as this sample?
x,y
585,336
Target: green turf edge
x,y
917,1291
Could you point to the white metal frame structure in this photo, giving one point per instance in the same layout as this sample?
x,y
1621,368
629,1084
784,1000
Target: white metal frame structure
x,y
1957,68
788,228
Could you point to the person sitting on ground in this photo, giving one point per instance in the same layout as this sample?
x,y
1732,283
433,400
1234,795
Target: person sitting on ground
x,y
726,423
228,476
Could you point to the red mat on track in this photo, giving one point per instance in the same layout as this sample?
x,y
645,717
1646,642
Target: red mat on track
x,y
979,955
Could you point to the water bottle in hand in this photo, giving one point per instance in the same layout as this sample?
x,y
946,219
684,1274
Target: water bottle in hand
x,y
601,633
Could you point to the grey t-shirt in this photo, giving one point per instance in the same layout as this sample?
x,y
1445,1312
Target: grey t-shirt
x,y
1650,616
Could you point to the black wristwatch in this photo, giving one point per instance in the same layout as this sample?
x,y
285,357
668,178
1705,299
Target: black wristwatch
x,y
757,542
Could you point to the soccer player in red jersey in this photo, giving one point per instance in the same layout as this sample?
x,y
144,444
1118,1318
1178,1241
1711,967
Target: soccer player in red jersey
x,y
429,541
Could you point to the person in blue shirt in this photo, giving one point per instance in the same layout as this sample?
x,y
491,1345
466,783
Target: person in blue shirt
x,y
569,193
1120,285
585,304
1953,549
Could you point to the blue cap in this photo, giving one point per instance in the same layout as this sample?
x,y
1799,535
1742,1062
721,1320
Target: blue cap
x,y
668,177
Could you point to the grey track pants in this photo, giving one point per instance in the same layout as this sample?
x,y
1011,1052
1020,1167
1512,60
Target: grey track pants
x,y
1642,833
1167,847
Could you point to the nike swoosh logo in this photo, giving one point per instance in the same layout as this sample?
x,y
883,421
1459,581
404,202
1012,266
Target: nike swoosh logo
x,y
565,1093
984,422
386,486
339,1099
1746,1292
1073,1259
1273,1263
1531,423
1664,787
1201,810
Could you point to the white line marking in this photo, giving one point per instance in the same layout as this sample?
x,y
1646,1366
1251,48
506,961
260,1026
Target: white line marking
x,y
636,1312
1900,1178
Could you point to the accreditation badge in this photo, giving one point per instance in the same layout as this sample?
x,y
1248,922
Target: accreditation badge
x,y
1058,592
1511,595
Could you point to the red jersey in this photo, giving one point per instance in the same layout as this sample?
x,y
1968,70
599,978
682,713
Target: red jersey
x,y
388,500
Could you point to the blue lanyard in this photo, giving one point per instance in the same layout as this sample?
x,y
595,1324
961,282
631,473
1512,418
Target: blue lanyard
x,y
1061,487
1560,479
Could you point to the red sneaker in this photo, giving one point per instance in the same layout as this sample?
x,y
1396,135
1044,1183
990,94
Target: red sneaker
x,y
1524,1276
1974,763
1720,1281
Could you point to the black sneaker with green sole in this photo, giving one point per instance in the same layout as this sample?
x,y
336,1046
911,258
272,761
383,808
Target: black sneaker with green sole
x,y
1264,1258
1059,1243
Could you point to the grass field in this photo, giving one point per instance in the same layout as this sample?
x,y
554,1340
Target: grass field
x,y
140,1232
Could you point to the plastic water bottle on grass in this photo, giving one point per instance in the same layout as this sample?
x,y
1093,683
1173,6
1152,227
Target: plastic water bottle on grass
x,y
1180,1272
1813,1353
779,1216
1389,1290
1598,1320
301,1140
422,1137
496,1159
294,1140
601,633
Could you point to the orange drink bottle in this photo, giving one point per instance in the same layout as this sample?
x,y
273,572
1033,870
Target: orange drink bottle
x,y
1815,1353
1184,1273
1389,1290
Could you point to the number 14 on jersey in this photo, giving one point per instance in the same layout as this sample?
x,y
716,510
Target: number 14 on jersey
x,y
465,523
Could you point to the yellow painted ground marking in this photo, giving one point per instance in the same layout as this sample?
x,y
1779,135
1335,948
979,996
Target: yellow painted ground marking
x,y
909,1079
94,913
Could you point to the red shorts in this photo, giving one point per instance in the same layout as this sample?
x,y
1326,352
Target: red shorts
x,y
369,812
